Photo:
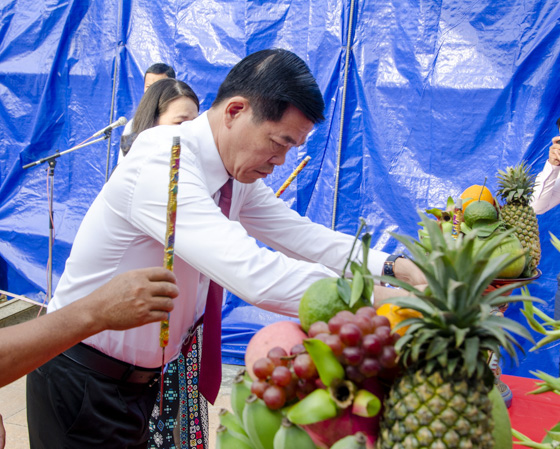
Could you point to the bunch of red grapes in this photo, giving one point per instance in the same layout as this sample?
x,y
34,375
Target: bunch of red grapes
x,y
362,342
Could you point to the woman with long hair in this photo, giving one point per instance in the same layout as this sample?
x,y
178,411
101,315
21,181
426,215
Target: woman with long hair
x,y
167,102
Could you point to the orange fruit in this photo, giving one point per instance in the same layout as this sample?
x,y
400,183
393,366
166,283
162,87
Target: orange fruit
x,y
472,193
397,314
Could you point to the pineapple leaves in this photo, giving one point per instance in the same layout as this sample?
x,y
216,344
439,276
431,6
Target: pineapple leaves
x,y
460,335
410,302
506,323
436,347
456,329
472,348
452,365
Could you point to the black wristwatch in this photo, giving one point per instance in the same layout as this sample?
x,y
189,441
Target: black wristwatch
x,y
389,265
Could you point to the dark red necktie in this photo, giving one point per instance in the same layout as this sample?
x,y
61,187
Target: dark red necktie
x,y
211,361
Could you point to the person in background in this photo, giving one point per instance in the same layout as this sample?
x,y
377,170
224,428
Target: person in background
x,y
547,196
547,187
128,300
167,102
267,105
154,73
157,72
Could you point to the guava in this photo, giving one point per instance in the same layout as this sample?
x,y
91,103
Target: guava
x,y
321,302
510,245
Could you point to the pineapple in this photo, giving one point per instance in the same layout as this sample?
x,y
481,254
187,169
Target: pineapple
x,y
515,188
441,399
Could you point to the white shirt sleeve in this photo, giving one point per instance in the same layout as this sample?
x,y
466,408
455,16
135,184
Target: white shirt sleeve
x,y
547,189
304,239
226,250
218,247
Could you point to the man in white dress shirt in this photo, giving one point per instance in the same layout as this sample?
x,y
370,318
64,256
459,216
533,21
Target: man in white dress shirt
x,y
267,104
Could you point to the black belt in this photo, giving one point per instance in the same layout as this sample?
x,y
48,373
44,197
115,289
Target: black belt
x,y
97,361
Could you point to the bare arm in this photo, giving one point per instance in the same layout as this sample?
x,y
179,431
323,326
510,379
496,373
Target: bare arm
x,y
407,271
131,299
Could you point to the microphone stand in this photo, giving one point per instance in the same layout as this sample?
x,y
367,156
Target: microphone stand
x,y
51,160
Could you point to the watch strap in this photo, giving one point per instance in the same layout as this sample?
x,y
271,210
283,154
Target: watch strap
x,y
389,265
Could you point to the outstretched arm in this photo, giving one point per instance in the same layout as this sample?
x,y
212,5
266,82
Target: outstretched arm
x,y
129,300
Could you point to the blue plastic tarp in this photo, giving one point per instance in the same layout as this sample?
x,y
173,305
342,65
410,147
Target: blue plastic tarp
x,y
433,96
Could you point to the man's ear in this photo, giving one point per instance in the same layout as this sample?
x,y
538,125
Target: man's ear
x,y
235,108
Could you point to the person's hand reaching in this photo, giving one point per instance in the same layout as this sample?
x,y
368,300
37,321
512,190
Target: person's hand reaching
x,y
554,151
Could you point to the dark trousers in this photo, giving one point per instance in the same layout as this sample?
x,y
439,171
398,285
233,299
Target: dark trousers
x,y
72,407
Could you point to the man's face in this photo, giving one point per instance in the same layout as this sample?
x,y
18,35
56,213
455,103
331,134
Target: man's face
x,y
151,78
250,150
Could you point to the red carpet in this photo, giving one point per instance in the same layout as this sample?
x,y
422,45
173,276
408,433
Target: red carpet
x,y
531,414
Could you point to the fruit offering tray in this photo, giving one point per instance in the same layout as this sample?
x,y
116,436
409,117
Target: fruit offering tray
x,y
497,283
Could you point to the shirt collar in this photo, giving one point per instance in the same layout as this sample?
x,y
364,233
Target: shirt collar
x,y
208,155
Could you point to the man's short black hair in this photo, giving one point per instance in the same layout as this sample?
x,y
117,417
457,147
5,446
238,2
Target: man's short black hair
x,y
160,68
272,80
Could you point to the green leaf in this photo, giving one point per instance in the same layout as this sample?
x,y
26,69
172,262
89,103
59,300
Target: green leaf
x,y
485,228
437,346
553,434
357,288
355,267
368,287
344,290
366,242
555,240
328,366
471,354
434,211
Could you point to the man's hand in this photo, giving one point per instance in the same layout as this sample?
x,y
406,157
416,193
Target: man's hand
x,y
405,270
554,153
132,299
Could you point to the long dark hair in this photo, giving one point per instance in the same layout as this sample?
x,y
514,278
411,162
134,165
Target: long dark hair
x,y
153,104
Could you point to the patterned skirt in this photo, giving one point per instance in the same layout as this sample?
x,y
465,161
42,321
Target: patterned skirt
x,y
183,423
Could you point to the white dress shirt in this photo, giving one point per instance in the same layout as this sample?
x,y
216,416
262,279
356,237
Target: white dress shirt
x,y
125,229
547,189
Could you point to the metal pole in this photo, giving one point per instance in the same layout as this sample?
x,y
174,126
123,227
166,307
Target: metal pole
x,y
52,165
342,111
115,71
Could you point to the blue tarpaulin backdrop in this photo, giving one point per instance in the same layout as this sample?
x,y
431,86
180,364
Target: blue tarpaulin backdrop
x,y
424,98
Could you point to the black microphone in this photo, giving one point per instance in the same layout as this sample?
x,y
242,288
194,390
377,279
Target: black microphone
x,y
120,122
